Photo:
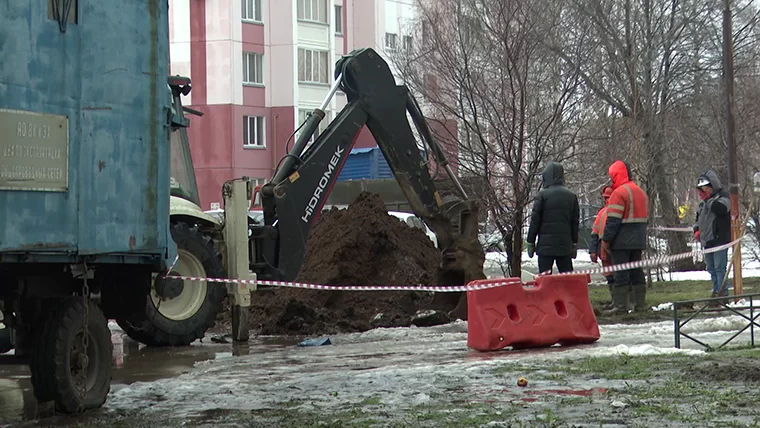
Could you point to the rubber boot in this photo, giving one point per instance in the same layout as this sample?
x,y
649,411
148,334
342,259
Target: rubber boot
x,y
724,293
713,304
639,295
619,301
610,305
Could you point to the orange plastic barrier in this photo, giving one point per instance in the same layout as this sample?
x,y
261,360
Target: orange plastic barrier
x,y
555,310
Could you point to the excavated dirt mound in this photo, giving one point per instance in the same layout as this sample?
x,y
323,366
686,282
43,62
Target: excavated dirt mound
x,y
361,245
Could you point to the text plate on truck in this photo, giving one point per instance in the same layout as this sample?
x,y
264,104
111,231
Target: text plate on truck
x,y
34,151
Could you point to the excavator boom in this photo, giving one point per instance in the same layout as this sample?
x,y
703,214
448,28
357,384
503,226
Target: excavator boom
x,y
295,196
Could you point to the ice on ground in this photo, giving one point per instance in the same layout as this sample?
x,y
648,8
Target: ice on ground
x,y
402,367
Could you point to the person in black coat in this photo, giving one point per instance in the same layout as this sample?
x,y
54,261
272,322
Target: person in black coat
x,y
555,220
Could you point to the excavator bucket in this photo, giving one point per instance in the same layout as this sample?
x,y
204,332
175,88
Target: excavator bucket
x,y
462,256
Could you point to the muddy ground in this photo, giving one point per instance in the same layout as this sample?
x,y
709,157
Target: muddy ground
x,y
361,245
426,377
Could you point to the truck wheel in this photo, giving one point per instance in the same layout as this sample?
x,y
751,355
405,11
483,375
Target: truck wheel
x,y
6,344
58,358
178,312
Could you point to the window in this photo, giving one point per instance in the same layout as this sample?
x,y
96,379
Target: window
x,y
408,43
251,10
253,131
253,68
313,66
390,41
338,19
313,10
305,112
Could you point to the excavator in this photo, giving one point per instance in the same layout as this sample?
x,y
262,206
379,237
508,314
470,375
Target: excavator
x,y
294,197
177,312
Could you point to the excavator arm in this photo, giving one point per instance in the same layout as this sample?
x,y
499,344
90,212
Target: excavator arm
x,y
293,199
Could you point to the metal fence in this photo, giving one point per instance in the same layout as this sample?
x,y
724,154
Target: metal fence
x,y
717,304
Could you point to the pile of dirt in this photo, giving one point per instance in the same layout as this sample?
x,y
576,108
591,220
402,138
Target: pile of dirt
x,y
361,245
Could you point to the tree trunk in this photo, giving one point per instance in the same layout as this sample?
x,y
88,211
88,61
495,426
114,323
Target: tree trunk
x,y
661,188
515,265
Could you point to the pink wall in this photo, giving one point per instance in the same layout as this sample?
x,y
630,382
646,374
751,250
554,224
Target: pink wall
x,y
283,124
253,33
254,95
365,139
198,51
216,141
209,135
364,25
212,157
253,159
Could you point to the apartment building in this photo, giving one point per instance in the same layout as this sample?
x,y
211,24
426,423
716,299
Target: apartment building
x,y
258,67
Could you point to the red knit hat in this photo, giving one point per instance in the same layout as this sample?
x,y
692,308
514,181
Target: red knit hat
x,y
607,191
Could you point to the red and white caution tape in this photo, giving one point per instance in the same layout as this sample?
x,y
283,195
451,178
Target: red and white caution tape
x,y
652,262
673,229
433,288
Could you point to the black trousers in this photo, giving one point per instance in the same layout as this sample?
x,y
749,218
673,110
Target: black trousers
x,y
631,276
564,264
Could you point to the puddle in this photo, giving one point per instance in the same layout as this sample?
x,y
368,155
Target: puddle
x,y
576,392
133,363
398,367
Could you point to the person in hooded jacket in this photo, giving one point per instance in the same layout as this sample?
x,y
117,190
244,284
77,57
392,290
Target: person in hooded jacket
x,y
625,237
554,221
596,232
713,227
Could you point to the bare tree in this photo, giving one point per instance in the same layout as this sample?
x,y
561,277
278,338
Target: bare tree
x,y
516,107
641,57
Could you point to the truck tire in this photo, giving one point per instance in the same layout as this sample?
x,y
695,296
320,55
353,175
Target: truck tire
x,y
6,344
56,374
178,312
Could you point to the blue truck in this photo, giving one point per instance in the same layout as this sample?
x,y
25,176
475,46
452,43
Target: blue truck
x,y
87,125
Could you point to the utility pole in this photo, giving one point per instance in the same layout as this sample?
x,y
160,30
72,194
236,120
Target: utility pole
x,y
733,180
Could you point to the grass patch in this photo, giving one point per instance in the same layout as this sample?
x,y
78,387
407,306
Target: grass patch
x,y
616,367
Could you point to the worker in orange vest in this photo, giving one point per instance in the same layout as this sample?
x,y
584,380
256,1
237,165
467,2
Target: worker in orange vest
x,y
596,232
625,238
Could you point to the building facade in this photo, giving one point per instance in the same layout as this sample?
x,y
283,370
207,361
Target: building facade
x,y
259,66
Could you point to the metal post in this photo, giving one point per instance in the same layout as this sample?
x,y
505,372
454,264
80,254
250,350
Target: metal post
x,y
236,241
676,327
733,181
752,320
331,93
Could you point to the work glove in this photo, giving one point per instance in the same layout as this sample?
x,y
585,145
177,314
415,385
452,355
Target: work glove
x,y
604,248
575,251
531,248
696,235
594,258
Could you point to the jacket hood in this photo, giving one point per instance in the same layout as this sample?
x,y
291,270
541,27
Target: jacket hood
x,y
712,177
620,173
554,174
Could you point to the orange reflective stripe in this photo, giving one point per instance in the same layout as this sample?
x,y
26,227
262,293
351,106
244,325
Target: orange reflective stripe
x,y
630,200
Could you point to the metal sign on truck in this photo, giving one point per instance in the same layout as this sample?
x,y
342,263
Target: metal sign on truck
x,y
35,151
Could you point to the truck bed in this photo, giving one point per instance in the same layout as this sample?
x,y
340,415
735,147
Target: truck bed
x,y
84,156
